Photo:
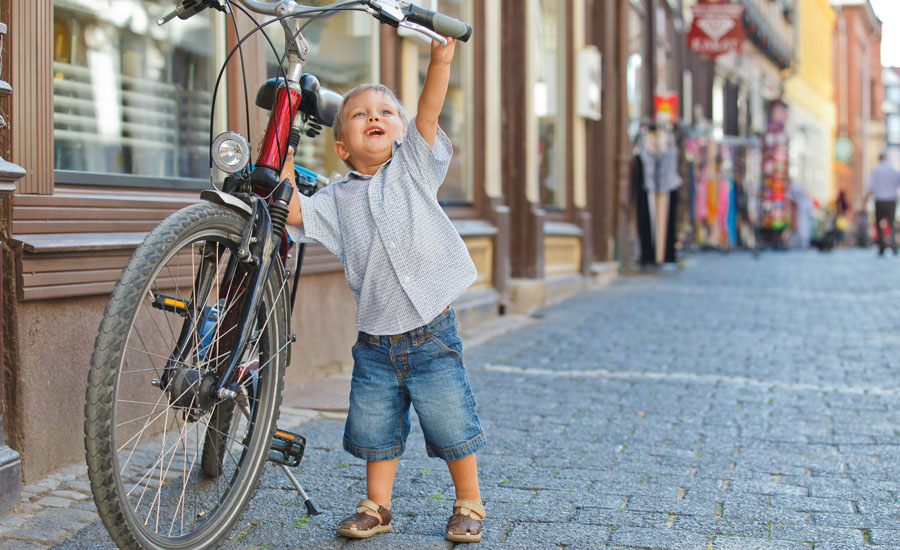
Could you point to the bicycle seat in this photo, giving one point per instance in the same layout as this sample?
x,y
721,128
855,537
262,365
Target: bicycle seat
x,y
318,103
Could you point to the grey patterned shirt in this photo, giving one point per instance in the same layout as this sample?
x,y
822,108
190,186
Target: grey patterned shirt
x,y
403,259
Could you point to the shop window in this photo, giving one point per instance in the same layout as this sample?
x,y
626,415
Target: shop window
x,y
635,81
457,115
549,100
893,94
343,53
131,100
893,128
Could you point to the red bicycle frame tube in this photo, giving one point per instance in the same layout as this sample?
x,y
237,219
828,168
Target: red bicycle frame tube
x,y
275,142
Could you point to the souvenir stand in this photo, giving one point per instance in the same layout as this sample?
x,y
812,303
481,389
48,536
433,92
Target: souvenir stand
x,y
723,178
775,209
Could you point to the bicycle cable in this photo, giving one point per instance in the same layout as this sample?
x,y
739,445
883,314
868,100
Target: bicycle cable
x,y
244,80
325,11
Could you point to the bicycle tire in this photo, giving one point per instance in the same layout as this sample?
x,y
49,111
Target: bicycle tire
x,y
130,460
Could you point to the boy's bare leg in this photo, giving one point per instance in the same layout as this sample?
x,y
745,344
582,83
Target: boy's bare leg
x,y
380,482
464,472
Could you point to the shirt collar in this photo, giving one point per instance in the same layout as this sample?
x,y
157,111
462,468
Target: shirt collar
x,y
353,174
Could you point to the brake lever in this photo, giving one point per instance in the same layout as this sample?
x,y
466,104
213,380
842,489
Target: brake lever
x,y
192,8
386,11
390,12
424,30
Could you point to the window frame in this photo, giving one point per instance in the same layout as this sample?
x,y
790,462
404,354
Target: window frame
x,y
562,127
468,62
64,176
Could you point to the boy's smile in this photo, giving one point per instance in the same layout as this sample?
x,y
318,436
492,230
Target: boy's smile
x,y
371,124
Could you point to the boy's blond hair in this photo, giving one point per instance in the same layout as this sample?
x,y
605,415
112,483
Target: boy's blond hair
x,y
339,117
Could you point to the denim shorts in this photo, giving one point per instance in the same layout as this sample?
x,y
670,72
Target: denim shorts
x,y
422,367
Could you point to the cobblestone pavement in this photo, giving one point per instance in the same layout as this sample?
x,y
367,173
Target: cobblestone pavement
x,y
737,404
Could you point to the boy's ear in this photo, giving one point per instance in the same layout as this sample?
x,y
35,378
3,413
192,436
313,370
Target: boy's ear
x,y
341,150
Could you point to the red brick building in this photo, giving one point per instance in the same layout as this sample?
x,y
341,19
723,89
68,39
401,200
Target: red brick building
x,y
858,94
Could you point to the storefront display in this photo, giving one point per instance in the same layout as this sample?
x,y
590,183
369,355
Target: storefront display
x,y
775,207
723,176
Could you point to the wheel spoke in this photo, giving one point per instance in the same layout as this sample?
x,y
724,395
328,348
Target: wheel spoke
x,y
182,460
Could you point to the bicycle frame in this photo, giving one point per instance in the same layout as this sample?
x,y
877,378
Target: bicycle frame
x,y
261,250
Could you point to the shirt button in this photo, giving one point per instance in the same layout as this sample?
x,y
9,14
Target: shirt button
x,y
406,279
393,244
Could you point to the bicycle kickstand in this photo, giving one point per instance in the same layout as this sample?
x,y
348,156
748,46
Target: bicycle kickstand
x,y
310,507
287,451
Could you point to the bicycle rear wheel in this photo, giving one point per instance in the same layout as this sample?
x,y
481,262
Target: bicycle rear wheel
x,y
171,466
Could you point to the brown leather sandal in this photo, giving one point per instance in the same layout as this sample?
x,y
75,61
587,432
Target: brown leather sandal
x,y
366,525
461,527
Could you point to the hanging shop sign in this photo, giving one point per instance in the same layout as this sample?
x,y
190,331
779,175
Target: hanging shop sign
x,y
666,107
843,150
717,28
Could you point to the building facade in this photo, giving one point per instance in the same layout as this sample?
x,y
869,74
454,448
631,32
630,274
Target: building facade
x,y
809,94
890,77
858,95
10,461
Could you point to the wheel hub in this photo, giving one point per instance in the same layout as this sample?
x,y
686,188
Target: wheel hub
x,y
192,391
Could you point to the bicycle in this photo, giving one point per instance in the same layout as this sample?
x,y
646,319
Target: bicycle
x,y
187,371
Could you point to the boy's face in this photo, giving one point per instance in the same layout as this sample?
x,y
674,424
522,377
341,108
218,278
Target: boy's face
x,y
371,124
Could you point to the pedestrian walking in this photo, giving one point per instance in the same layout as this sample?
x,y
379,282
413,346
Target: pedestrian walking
x,y
405,263
884,181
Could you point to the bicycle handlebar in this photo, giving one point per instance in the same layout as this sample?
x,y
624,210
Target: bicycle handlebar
x,y
438,22
392,12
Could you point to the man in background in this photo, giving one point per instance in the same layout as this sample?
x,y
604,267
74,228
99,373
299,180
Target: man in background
x,y
884,181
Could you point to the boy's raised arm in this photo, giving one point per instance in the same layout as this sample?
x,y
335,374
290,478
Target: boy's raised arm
x,y
434,90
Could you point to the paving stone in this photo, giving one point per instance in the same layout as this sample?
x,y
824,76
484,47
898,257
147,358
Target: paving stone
x,y
43,535
11,544
82,485
53,502
67,519
74,496
656,538
745,543
14,521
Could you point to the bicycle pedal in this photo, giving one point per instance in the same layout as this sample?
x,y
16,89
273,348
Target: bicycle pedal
x,y
170,303
287,448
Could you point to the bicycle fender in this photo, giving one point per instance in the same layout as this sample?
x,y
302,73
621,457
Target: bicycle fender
x,y
220,197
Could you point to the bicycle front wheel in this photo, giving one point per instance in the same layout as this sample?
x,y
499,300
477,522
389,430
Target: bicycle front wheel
x,y
171,465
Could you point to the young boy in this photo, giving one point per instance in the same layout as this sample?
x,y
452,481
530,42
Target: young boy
x,y
405,264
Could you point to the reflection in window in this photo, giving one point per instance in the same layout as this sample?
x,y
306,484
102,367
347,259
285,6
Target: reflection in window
x,y
893,128
549,74
455,118
893,94
339,57
634,73
130,97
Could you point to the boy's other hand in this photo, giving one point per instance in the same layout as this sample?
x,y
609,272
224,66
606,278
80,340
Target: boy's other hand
x,y
443,55
287,170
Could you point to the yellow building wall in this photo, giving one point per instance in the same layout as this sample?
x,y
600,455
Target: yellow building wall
x,y
808,82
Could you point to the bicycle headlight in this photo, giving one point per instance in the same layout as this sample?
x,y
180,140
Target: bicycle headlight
x,y
230,152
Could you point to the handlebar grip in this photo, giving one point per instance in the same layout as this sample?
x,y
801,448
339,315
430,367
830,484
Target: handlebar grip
x,y
448,26
439,23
